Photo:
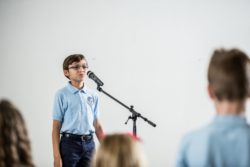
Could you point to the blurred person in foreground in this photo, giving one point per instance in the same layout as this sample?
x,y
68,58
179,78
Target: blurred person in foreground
x,y
225,142
119,150
15,147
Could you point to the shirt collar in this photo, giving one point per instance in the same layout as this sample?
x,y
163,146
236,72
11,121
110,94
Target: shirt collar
x,y
74,90
230,119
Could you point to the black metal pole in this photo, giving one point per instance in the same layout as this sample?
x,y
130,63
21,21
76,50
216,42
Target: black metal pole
x,y
131,109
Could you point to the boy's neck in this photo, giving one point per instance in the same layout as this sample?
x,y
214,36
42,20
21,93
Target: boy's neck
x,y
78,85
230,107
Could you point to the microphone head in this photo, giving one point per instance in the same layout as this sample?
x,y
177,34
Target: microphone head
x,y
92,76
89,73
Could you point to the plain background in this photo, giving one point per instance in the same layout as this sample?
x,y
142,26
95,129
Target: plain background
x,y
152,54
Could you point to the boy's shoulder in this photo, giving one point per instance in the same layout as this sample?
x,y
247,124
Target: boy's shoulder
x,y
63,91
212,132
197,135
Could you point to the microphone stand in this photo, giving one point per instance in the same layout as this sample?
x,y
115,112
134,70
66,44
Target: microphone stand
x,y
134,115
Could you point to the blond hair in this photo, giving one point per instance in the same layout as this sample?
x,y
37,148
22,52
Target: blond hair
x,y
118,150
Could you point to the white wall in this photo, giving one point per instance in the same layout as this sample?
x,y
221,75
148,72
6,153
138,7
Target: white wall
x,y
149,53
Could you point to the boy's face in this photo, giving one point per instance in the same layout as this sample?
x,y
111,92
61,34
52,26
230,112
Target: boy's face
x,y
77,71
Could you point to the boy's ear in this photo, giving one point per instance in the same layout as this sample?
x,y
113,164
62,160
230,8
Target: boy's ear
x,y
210,91
66,72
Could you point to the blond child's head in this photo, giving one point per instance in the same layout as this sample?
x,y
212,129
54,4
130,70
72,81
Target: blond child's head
x,y
118,150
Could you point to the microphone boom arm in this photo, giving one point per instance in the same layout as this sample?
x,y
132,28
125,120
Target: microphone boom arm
x,y
131,109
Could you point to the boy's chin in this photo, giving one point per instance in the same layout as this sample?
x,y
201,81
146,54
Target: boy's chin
x,y
80,80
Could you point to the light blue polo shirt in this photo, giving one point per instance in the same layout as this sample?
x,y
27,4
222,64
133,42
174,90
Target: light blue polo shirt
x,y
76,109
223,143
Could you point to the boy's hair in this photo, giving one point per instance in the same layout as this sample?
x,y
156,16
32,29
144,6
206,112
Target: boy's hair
x,y
71,59
227,74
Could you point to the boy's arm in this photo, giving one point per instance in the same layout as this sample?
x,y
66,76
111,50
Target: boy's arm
x,y
55,141
98,129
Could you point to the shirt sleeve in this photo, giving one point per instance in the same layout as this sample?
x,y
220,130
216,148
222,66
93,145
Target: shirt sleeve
x,y
58,110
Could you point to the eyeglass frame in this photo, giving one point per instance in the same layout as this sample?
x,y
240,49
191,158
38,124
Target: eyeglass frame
x,y
77,67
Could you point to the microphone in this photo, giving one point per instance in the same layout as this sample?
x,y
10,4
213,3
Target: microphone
x,y
92,76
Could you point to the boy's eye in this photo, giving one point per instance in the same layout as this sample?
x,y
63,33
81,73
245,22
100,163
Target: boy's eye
x,y
77,67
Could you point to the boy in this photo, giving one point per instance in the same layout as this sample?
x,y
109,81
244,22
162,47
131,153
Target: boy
x,y
75,117
226,141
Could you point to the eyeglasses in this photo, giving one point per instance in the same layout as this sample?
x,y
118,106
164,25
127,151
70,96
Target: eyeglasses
x,y
77,67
